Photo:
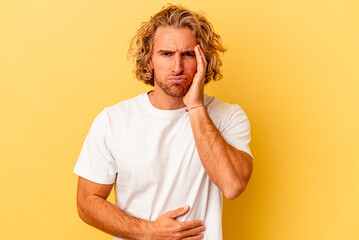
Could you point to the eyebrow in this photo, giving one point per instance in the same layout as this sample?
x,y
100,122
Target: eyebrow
x,y
170,51
164,51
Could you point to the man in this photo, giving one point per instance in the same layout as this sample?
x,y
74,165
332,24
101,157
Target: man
x,y
173,151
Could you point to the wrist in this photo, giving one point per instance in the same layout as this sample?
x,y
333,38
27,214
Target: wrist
x,y
194,103
148,230
195,107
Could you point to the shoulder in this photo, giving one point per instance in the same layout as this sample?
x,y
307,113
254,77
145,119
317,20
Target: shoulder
x,y
125,104
115,113
232,122
220,110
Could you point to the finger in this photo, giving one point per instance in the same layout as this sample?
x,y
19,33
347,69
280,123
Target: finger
x,y
178,212
193,231
204,60
197,237
199,58
192,224
203,56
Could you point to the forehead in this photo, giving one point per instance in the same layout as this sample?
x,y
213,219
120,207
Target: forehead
x,y
171,38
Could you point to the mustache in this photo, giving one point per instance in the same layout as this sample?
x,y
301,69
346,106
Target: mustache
x,y
177,77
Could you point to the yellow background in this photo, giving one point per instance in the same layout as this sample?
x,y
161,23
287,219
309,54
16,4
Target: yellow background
x,y
292,65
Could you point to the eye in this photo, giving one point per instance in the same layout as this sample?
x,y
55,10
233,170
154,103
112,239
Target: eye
x,y
192,54
166,54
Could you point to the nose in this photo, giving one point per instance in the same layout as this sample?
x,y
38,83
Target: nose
x,y
178,64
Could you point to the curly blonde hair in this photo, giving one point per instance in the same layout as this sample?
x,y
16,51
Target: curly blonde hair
x,y
176,16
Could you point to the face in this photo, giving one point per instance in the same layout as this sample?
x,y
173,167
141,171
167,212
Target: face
x,y
173,60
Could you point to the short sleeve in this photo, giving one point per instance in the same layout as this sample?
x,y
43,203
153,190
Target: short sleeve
x,y
95,162
237,129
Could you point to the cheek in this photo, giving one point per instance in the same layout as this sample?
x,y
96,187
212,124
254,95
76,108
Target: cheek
x,y
192,67
163,65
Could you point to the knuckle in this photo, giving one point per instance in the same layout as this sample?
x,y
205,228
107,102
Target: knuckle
x,y
192,225
195,231
178,228
197,223
201,236
178,236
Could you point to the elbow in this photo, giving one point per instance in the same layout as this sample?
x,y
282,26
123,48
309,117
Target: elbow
x,y
234,190
82,210
235,187
84,215
237,184
231,196
81,214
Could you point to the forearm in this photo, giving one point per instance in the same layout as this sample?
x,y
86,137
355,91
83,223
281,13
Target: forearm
x,y
227,167
109,218
95,210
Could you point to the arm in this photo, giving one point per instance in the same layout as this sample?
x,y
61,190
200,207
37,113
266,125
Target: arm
x,y
95,210
227,167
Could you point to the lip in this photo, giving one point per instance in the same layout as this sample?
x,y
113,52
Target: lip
x,y
177,79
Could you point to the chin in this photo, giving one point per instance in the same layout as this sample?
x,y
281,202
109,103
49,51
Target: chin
x,y
177,94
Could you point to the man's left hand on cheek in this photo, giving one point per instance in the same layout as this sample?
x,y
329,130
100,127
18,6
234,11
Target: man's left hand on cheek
x,y
194,96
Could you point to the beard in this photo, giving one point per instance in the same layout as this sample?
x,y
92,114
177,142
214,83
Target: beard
x,y
171,89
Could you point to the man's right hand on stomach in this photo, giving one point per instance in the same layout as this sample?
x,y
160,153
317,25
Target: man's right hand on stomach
x,y
165,227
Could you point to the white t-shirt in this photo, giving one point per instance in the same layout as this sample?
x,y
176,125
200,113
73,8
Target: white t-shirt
x,y
152,156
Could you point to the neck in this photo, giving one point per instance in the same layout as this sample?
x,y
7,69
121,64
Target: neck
x,y
162,101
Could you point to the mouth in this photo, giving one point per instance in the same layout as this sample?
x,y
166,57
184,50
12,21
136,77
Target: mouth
x,y
177,80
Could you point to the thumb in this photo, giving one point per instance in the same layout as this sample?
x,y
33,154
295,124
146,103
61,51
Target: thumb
x,y
178,212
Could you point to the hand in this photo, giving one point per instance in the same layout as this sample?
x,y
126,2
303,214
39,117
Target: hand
x,y
165,227
194,96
